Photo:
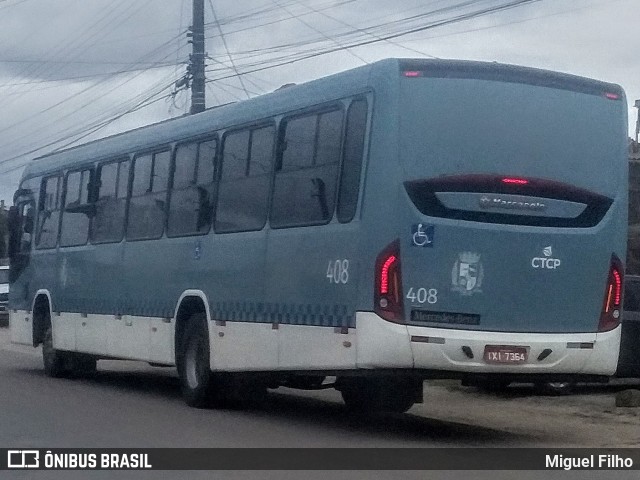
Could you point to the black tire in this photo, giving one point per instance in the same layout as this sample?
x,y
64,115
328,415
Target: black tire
x,y
84,365
555,388
57,364
197,381
373,395
238,393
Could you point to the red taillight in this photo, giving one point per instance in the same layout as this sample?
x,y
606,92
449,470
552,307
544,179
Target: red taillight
x,y
515,181
388,284
611,309
384,274
612,96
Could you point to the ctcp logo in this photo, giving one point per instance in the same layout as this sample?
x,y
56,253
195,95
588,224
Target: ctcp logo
x,y
547,262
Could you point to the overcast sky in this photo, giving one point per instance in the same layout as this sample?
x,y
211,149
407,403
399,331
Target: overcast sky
x,y
72,69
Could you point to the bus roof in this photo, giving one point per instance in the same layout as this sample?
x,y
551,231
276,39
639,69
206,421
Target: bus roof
x,y
294,97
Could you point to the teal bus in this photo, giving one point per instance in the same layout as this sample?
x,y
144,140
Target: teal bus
x,y
400,221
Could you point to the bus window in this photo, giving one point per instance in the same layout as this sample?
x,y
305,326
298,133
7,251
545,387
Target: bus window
x,y
191,196
305,184
245,179
108,221
49,213
352,160
148,193
76,212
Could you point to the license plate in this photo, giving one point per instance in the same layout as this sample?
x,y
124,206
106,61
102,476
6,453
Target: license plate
x,y
505,354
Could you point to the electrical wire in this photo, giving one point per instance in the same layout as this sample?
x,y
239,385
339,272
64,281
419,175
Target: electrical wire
x,y
226,47
354,36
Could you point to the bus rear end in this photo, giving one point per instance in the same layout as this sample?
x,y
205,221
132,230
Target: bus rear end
x,y
500,246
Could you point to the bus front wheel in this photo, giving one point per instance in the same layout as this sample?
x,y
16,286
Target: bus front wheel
x,y
57,363
196,377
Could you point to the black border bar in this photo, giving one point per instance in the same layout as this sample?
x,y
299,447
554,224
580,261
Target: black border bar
x,y
322,459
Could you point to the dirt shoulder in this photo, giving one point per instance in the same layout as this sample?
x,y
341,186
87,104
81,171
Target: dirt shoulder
x,y
587,418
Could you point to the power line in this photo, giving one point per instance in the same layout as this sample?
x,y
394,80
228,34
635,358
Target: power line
x,y
333,40
515,22
286,60
95,75
85,131
33,70
224,42
356,34
61,102
85,105
330,17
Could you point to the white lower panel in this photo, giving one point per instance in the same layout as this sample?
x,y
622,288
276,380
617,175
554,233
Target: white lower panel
x,y
382,344
64,330
134,338
386,345
161,341
91,332
602,358
243,346
128,337
309,347
21,327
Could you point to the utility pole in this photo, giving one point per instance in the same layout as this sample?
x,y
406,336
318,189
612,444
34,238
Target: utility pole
x,y
197,58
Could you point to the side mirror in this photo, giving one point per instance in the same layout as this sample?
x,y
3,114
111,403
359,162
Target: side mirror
x,y
28,224
13,222
21,192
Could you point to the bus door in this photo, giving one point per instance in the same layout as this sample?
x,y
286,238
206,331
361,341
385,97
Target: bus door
x,y
21,228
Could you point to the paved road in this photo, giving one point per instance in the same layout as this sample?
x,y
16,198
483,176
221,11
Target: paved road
x,y
129,404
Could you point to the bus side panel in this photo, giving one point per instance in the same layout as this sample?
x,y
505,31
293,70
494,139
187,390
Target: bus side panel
x,y
381,175
234,266
312,276
77,299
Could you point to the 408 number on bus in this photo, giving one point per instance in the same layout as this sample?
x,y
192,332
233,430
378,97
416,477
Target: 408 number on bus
x,y
338,271
423,295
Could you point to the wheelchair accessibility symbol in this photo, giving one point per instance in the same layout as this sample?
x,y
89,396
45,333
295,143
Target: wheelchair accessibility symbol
x,y
422,235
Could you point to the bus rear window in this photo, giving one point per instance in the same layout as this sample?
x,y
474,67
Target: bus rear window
x,y
453,126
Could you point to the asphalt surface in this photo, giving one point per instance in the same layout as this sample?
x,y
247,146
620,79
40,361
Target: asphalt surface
x,y
130,404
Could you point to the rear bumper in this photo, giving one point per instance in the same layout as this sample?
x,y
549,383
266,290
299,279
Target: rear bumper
x,y
382,344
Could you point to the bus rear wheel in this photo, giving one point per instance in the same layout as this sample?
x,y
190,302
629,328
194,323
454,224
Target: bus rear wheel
x,y
196,378
555,388
57,363
84,364
371,395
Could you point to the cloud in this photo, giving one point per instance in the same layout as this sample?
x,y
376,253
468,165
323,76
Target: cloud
x,y
87,42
